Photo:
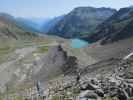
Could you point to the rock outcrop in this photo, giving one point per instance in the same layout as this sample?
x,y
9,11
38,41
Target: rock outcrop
x,y
54,63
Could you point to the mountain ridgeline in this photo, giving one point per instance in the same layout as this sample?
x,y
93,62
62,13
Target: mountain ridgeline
x,y
27,25
80,21
118,26
9,28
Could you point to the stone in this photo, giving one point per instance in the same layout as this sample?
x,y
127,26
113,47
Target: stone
x,y
88,94
88,86
100,92
122,95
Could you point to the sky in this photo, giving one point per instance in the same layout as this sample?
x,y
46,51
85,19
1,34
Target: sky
x,y
52,8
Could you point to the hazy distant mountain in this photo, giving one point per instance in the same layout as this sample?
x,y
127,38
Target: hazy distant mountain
x,y
81,20
39,22
9,28
27,24
7,16
119,26
50,24
36,25
40,25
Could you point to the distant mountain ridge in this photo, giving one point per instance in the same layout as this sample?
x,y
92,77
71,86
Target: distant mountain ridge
x,y
81,20
8,27
10,32
118,26
35,25
23,23
50,24
27,25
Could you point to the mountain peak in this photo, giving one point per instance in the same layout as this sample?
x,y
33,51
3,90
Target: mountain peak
x,y
118,26
81,20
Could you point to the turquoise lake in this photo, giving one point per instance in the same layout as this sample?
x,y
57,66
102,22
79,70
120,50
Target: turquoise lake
x,y
78,43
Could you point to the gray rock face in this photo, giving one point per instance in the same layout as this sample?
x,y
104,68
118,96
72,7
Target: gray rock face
x,y
54,63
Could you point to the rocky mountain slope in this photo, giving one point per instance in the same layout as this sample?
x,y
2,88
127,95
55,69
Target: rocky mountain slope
x,y
9,29
108,78
54,63
117,27
81,20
